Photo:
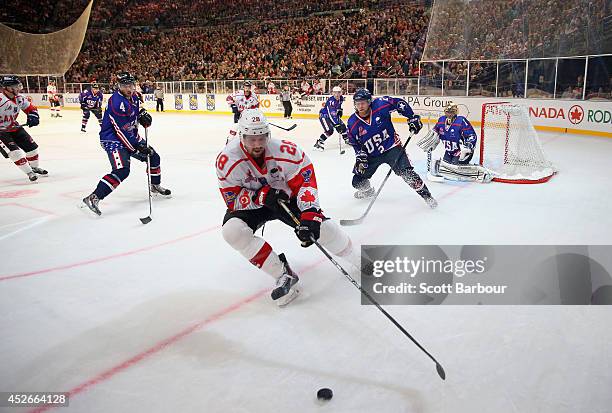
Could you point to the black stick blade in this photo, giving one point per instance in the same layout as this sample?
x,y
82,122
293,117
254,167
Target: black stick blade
x,y
441,371
292,127
146,220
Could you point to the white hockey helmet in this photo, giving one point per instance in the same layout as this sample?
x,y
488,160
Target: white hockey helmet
x,y
337,89
253,123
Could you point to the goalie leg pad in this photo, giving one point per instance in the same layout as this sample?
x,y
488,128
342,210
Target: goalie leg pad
x,y
469,173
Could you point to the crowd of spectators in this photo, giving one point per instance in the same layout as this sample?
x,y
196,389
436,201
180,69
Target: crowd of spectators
x,y
362,43
516,29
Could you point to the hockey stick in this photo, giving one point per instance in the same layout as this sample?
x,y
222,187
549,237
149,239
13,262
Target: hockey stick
x,y
148,219
292,127
439,367
362,217
340,143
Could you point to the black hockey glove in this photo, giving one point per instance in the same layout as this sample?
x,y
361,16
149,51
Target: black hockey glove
x,y
361,163
144,118
144,149
310,227
339,113
415,124
84,106
234,108
340,128
268,197
33,119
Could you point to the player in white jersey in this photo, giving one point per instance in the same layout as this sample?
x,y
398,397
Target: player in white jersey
x,y
240,101
255,173
54,99
15,143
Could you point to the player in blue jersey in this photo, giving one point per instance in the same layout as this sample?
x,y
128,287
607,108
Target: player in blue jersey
x,y
373,137
330,117
120,139
459,139
91,102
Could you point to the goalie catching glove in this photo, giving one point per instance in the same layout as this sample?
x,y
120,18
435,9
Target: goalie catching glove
x,y
429,142
465,150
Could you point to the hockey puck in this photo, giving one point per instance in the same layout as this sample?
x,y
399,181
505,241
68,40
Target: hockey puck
x,y
325,394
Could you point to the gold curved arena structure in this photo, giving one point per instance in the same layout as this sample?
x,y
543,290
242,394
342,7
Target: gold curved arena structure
x,y
42,54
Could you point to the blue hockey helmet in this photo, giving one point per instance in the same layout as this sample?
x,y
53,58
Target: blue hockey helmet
x,y
362,95
125,78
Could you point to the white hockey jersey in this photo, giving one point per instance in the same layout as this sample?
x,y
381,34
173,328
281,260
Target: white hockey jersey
x,y
51,91
243,102
286,167
9,110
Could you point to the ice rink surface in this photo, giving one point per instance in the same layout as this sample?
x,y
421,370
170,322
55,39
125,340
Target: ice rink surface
x,y
167,317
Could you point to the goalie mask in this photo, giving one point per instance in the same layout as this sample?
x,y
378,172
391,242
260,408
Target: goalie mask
x,y
451,111
254,131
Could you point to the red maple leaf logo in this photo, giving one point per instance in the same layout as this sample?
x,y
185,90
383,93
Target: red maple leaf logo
x,y
576,114
307,196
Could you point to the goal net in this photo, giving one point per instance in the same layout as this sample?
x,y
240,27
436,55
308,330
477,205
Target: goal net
x,y
510,147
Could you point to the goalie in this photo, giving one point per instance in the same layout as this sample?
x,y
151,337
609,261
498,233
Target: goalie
x,y
459,140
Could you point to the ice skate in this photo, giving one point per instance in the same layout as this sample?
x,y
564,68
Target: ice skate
x,y
365,193
285,290
39,171
161,191
91,202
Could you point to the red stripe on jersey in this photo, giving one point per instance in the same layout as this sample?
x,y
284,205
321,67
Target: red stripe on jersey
x,y
382,107
113,109
298,181
262,255
120,134
285,160
231,168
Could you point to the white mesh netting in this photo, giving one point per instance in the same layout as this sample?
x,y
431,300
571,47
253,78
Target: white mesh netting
x,y
510,147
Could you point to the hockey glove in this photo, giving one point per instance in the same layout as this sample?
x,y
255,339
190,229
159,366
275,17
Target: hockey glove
x,y
340,128
339,113
84,106
415,124
361,163
269,197
144,118
33,119
310,227
465,150
234,108
143,149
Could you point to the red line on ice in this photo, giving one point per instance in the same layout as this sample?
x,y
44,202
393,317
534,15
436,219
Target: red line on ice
x,y
107,374
42,211
109,257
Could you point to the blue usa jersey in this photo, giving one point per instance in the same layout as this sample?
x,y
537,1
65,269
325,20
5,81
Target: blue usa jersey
x,y
91,100
460,131
330,109
120,122
377,135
